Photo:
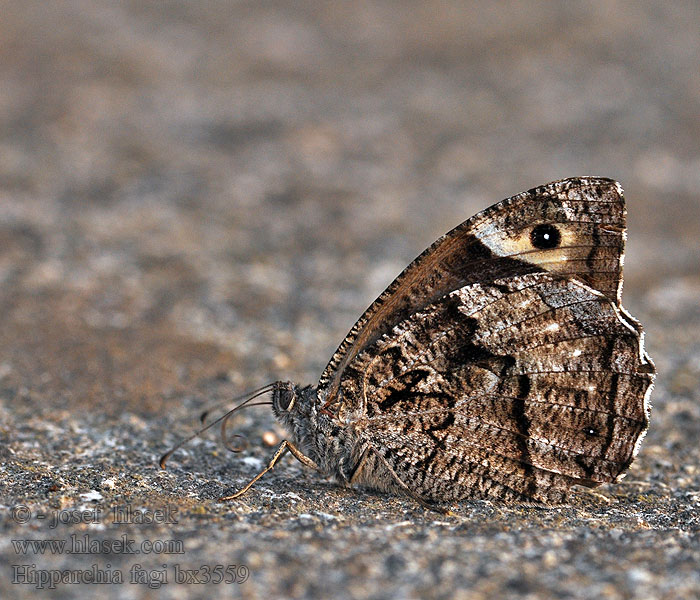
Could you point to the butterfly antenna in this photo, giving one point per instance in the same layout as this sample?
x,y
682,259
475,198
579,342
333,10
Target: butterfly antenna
x,y
224,423
223,420
213,407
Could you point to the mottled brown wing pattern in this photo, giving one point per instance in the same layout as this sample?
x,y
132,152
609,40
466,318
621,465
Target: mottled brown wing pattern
x,y
589,216
513,389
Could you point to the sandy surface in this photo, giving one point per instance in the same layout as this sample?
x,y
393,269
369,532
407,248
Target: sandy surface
x,y
197,198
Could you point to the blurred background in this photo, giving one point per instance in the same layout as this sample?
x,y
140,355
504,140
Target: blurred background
x,y
250,175
200,197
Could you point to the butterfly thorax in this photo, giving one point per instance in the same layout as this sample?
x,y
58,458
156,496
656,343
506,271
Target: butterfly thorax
x,y
318,435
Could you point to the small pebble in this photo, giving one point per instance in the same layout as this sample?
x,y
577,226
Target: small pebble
x,y
270,438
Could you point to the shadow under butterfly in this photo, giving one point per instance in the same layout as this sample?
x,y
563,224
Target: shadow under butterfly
x,y
499,364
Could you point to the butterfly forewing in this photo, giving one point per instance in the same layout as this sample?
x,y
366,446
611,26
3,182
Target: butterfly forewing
x,y
584,216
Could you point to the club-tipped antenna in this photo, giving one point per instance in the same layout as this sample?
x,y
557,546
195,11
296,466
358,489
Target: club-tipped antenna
x,y
223,419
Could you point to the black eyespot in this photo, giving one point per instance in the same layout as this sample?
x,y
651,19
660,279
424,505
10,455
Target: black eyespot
x,y
590,431
545,236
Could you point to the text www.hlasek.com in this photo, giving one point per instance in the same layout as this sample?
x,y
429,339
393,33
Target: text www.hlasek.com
x,y
84,544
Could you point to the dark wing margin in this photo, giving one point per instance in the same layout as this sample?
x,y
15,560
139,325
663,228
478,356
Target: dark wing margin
x,y
470,398
496,243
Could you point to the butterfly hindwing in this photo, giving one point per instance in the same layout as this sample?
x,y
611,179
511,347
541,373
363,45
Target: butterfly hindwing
x,y
513,389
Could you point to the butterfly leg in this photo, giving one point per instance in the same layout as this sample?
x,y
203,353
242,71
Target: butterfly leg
x,y
282,449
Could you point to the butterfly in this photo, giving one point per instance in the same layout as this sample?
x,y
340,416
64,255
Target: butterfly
x,y
500,364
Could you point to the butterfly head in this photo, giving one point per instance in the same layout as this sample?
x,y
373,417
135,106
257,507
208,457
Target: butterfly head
x,y
291,402
294,407
284,397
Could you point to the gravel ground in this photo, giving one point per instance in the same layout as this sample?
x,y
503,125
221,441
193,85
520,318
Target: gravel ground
x,y
197,198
